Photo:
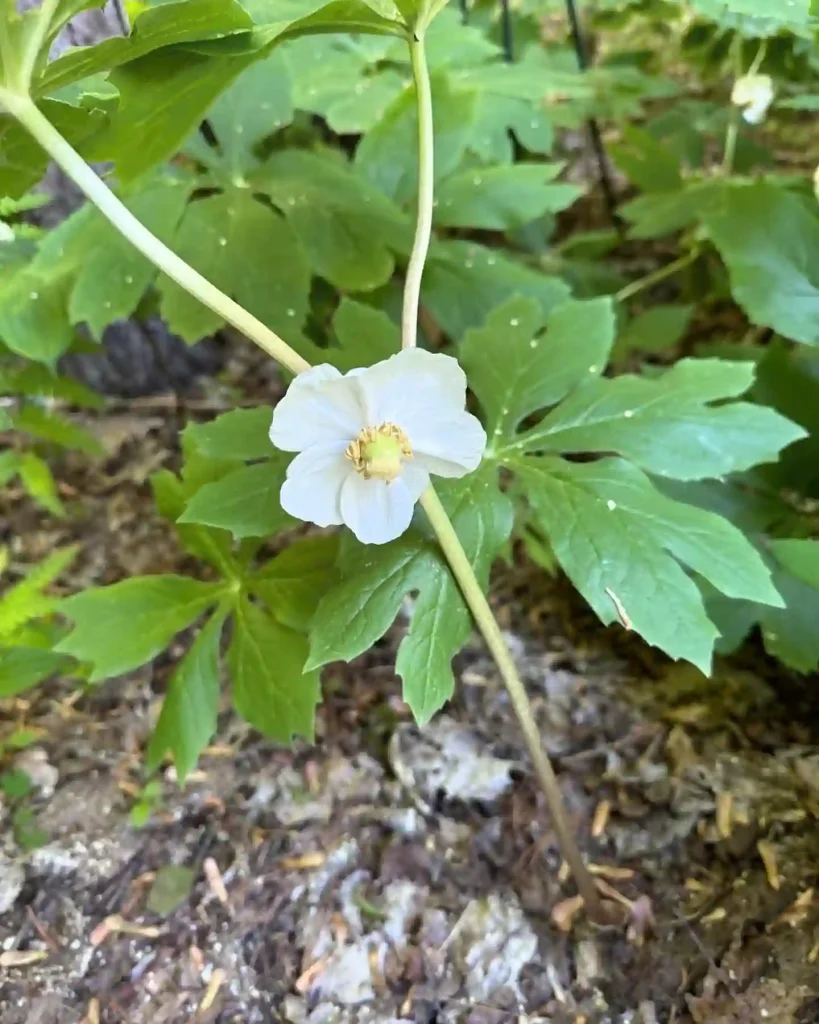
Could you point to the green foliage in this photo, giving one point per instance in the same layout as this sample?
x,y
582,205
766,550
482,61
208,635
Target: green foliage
x,y
621,542
769,239
26,610
376,581
271,144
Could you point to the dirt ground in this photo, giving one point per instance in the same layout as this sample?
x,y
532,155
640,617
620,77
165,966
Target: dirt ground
x,y
388,874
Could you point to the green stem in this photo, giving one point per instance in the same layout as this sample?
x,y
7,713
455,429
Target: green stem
x,y
45,16
649,280
426,192
485,620
732,132
759,58
67,158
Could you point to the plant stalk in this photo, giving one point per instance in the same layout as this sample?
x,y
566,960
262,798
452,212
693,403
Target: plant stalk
x,y
656,276
488,626
45,16
115,211
426,195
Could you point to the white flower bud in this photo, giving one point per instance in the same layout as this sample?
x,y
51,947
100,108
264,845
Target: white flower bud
x,y
753,94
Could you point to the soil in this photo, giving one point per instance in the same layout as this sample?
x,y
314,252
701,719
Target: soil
x,y
388,873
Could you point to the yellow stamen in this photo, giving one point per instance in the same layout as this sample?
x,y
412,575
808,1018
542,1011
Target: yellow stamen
x,y
380,451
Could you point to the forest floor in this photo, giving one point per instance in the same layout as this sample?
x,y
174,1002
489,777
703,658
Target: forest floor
x,y
390,874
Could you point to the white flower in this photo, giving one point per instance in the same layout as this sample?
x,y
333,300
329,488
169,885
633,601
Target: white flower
x,y
816,182
753,94
368,441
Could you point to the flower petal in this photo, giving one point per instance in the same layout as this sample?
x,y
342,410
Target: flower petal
x,y
411,386
377,511
312,490
321,407
449,448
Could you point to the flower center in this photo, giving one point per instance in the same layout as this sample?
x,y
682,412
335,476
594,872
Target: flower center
x,y
380,451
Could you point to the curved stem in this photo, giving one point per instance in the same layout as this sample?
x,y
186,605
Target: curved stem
x,y
485,620
426,191
658,275
112,208
45,16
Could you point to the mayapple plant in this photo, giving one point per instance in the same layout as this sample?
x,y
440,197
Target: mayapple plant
x,y
371,435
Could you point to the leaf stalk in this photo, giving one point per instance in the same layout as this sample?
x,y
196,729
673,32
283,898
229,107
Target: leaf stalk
x,y
426,194
490,630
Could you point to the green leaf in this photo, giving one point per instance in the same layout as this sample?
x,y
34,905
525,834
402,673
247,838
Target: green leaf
x,y
666,424
33,321
654,330
39,482
239,434
650,164
162,99
464,282
112,276
662,213
381,156
213,546
622,542
119,627
162,25
23,161
496,116
800,558
245,502
187,721
222,236
271,688
788,633
253,107
516,366
292,18
24,667
502,198
375,582
172,887
769,238
365,336
26,600
348,229
777,13
293,583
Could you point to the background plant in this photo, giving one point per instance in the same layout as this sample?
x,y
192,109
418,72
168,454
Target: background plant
x,y
285,129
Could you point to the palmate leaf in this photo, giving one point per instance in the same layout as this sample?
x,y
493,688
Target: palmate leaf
x,y
293,583
463,283
501,198
189,713
668,425
222,236
271,687
344,84
624,545
349,231
245,501
515,368
381,156
759,16
769,239
156,27
375,581
789,633
121,626
365,336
